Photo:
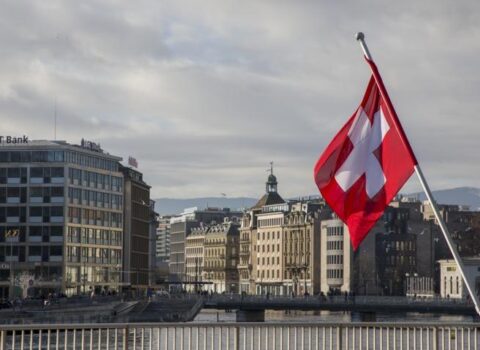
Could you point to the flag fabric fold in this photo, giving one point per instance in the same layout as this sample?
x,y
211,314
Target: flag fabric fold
x,y
366,163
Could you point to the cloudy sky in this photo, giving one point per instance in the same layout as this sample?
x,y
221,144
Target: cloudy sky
x,y
206,93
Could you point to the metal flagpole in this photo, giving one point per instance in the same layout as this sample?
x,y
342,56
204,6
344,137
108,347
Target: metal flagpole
x,y
361,38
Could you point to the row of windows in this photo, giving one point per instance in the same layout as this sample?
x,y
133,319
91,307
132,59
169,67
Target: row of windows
x,y
95,198
19,233
94,255
334,273
91,161
94,236
451,290
266,248
92,274
335,231
46,172
267,259
22,253
335,245
270,222
334,259
37,175
45,212
31,156
266,235
94,217
16,195
95,180
192,251
46,192
400,259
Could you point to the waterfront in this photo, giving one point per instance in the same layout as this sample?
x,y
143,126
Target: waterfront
x,y
272,316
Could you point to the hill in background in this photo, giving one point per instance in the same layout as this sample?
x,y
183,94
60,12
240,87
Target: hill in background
x,y
169,206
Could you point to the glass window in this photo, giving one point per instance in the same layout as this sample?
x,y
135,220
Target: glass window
x,y
13,172
39,156
56,211
36,172
4,157
35,230
56,250
35,211
57,191
57,172
34,250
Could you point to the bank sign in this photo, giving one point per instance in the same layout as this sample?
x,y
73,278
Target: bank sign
x,y
13,140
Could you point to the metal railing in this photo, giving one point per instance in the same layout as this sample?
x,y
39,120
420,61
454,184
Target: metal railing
x,y
243,336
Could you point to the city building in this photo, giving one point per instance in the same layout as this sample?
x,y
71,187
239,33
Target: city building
x,y
194,258
61,218
280,244
451,282
152,247
162,249
137,231
248,253
180,228
301,242
336,262
221,248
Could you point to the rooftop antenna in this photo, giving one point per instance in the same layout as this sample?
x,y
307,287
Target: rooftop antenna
x,y
55,120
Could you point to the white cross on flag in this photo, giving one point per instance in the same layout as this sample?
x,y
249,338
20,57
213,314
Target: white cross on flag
x,y
366,163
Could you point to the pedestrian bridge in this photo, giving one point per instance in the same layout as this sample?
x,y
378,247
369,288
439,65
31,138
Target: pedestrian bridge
x,y
361,304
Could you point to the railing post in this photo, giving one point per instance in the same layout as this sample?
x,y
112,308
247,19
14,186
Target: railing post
x,y
339,337
125,338
434,339
3,340
236,338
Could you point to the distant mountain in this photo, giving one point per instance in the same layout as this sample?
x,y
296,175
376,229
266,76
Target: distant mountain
x,y
171,206
460,196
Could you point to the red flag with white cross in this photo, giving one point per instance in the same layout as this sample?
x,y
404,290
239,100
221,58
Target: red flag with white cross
x,y
366,163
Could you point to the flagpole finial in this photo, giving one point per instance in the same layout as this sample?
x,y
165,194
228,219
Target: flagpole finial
x,y
361,38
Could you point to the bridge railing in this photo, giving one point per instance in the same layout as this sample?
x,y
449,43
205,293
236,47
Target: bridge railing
x,y
337,299
238,336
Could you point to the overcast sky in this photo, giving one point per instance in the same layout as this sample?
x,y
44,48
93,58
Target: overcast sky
x,y
206,93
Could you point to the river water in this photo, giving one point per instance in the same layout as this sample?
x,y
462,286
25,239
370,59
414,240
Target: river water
x,y
330,317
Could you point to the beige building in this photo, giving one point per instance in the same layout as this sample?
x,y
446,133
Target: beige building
x,y
248,255
194,257
336,257
221,252
269,250
451,283
301,249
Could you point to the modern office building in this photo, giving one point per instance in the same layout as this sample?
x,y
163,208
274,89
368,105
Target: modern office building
x,y
61,218
162,250
137,221
336,256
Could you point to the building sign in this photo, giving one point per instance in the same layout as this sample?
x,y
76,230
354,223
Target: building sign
x,y
132,162
91,145
13,140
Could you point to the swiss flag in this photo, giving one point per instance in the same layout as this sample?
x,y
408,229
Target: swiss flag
x,y
366,163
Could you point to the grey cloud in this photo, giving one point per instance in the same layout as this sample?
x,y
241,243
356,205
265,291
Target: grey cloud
x,y
205,94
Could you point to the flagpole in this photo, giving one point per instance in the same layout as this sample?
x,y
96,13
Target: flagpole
x,y
361,38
